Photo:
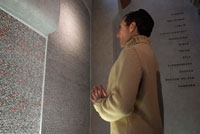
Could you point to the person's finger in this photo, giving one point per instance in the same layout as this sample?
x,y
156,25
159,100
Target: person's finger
x,y
99,93
103,91
92,100
93,97
100,88
96,90
102,94
94,94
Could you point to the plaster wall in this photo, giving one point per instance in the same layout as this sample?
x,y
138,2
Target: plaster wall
x,y
102,53
67,82
88,4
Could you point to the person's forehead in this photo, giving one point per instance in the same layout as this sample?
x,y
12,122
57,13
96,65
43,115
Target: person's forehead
x,y
123,22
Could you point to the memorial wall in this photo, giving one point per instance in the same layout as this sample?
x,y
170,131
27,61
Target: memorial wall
x,y
45,81
176,43
22,61
67,80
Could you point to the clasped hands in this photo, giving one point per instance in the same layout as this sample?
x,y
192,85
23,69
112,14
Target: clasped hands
x,y
97,93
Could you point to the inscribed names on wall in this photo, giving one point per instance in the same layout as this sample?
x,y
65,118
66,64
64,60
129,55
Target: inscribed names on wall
x,y
22,53
177,38
176,43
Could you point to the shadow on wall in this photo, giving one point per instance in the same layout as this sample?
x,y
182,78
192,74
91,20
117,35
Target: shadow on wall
x,y
160,97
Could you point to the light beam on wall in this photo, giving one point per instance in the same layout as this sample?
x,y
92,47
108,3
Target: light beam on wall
x,y
70,30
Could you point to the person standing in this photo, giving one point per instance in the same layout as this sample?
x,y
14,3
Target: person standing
x,y
131,101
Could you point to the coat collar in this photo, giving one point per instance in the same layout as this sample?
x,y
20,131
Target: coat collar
x,y
138,39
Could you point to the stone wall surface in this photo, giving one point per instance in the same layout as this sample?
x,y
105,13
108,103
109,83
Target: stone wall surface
x,y
22,58
67,81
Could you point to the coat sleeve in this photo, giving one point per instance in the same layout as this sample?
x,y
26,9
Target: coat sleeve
x,y
120,102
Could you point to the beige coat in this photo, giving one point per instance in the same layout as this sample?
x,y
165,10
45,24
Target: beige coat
x,y
132,104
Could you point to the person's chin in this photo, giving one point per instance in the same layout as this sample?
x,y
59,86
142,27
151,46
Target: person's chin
x,y
122,45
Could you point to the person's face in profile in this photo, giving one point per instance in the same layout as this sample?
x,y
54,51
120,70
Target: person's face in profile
x,y
123,33
126,32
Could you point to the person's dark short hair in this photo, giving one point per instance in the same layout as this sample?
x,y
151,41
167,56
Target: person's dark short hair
x,y
143,20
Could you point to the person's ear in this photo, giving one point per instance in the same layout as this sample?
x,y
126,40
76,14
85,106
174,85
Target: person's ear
x,y
132,27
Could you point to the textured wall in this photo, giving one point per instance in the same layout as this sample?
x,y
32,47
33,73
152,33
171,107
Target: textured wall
x,y
42,15
176,42
67,84
103,14
22,57
88,4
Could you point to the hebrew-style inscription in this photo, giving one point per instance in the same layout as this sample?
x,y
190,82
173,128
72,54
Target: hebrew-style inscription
x,y
178,36
175,41
22,53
